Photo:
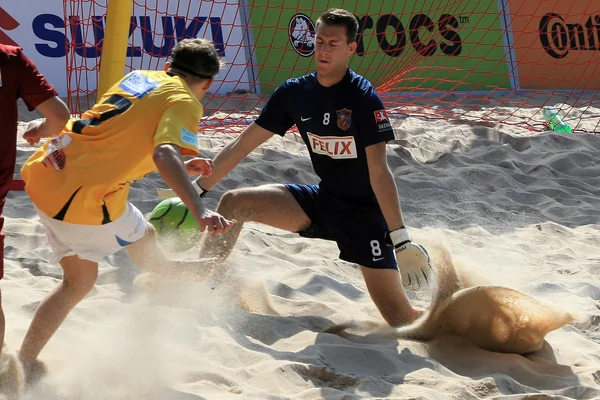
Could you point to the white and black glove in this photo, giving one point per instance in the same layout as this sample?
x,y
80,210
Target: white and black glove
x,y
413,260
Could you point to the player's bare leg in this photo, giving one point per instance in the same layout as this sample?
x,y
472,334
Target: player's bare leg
x,y
147,254
79,278
385,288
257,205
271,205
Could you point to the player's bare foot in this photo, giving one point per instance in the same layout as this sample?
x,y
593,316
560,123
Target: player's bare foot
x,y
11,375
34,371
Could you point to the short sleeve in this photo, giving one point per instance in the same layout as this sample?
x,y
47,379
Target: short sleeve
x,y
33,87
179,126
374,125
274,116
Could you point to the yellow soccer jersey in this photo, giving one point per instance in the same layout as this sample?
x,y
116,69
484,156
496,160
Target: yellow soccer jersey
x,y
82,176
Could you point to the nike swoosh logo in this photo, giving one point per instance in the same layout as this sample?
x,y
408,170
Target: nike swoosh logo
x,y
378,259
305,119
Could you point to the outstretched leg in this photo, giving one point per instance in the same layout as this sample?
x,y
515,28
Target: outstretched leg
x,y
271,205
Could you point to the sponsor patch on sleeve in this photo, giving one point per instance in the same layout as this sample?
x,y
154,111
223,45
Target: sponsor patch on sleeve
x,y
55,156
189,137
382,120
138,84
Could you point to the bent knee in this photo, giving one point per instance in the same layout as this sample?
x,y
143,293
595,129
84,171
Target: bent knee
x,y
237,204
139,249
82,284
150,231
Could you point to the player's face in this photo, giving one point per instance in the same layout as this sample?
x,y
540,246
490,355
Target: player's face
x,y
332,48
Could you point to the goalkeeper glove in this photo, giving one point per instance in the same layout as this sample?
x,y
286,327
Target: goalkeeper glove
x,y
413,260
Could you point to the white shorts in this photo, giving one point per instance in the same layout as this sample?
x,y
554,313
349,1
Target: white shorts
x,y
93,242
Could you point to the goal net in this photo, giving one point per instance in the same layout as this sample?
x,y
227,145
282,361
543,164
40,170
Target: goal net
x,y
478,61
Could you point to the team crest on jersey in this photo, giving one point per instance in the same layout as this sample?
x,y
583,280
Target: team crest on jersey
x,y
301,31
56,157
344,118
382,120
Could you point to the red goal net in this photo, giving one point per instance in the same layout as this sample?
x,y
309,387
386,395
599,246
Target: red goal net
x,y
481,62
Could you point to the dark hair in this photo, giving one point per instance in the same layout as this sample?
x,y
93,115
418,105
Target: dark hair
x,y
196,57
341,17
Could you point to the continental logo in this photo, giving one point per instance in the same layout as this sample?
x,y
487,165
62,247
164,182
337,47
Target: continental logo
x,y
559,38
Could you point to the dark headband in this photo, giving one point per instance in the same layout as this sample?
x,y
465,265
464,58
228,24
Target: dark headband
x,y
190,71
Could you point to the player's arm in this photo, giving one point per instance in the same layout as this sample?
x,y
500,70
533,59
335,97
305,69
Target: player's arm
x,y
234,152
172,169
384,186
376,130
175,137
40,95
274,119
56,116
413,260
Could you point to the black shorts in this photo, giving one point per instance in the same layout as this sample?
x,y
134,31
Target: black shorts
x,y
359,231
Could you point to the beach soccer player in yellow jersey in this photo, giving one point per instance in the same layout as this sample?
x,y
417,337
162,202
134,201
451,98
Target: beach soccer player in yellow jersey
x,y
79,180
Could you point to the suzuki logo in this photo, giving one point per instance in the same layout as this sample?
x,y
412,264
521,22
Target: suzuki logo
x,y
7,22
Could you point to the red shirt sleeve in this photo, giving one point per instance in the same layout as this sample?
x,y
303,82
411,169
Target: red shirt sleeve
x,y
33,87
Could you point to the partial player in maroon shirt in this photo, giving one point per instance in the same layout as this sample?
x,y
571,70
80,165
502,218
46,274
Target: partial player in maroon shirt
x,y
19,78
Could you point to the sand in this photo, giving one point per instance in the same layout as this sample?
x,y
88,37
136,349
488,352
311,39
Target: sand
x,y
517,210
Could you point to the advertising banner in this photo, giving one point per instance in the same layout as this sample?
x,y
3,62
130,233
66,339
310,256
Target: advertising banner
x,y
426,44
422,45
557,43
38,27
